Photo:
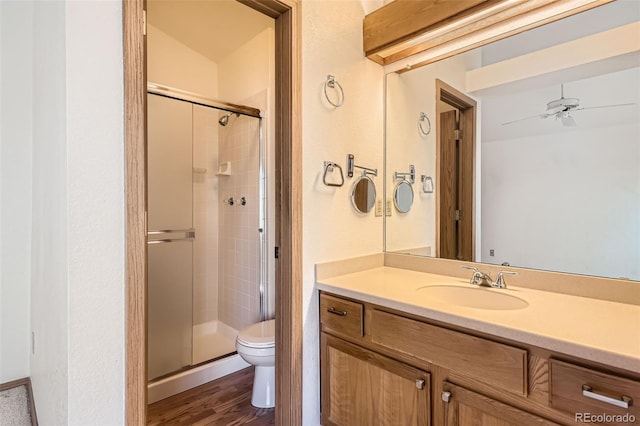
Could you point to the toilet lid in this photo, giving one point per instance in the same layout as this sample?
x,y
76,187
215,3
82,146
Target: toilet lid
x,y
259,335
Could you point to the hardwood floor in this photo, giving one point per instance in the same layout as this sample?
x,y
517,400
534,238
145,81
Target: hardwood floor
x,y
225,401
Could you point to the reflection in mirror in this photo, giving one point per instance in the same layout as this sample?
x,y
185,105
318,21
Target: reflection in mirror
x,y
403,196
556,168
363,194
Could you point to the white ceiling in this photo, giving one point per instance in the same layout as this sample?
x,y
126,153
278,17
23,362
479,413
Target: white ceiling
x,y
608,89
213,28
617,82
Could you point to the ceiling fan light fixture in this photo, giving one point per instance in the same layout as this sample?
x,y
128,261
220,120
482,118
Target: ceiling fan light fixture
x,y
567,119
563,104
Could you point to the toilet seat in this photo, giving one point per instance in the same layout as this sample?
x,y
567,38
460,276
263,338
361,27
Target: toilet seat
x,y
259,335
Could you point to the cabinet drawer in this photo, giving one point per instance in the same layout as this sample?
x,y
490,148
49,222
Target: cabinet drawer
x,y
577,389
494,363
341,316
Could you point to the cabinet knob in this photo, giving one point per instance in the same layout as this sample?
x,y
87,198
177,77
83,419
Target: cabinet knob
x,y
420,384
446,396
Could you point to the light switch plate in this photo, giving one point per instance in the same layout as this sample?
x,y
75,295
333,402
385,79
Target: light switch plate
x,y
378,211
389,205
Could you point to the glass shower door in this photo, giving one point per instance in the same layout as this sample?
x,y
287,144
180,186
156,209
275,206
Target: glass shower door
x,y
170,235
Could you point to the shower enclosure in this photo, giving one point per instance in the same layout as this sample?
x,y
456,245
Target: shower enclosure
x,y
206,228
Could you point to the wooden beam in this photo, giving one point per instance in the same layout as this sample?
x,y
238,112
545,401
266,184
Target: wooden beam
x,y
401,20
404,28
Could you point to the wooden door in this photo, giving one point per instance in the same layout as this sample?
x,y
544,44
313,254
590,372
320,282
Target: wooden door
x,y
363,388
455,157
448,185
466,124
462,407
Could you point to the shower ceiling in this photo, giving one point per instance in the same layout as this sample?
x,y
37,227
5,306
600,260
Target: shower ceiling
x,y
205,26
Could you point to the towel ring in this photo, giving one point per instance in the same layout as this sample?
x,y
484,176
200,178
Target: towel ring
x,y
423,118
332,83
328,167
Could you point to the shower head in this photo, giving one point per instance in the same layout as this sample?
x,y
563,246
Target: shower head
x,y
225,118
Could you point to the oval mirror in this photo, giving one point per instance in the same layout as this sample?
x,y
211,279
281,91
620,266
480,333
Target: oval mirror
x,y
363,194
403,196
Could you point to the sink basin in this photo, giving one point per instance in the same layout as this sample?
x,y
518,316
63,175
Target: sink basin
x,y
473,297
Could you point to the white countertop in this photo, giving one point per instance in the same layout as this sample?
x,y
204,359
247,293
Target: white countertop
x,y
596,330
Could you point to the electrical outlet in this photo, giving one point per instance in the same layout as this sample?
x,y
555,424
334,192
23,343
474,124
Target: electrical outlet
x,y
389,204
378,211
492,252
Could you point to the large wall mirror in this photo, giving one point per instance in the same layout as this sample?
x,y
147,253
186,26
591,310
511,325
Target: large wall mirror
x,y
544,171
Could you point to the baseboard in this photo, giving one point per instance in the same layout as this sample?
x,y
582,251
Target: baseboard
x,y
191,378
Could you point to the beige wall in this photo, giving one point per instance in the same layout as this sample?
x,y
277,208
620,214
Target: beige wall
x,y
332,44
173,64
408,94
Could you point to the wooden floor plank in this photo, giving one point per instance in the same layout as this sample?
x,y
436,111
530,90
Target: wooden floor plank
x,y
225,401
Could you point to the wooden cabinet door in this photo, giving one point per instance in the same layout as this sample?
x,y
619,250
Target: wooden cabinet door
x,y
363,388
462,407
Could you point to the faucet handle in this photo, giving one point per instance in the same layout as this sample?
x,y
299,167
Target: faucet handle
x,y
501,281
478,278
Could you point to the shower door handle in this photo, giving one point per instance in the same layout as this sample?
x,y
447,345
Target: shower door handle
x,y
187,235
168,240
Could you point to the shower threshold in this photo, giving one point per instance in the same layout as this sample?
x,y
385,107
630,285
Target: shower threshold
x,y
214,356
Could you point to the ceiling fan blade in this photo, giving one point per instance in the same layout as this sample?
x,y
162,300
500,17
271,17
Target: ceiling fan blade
x,y
568,121
545,115
605,106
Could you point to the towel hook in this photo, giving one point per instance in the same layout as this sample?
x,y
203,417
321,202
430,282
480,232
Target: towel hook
x,y
421,127
328,167
332,83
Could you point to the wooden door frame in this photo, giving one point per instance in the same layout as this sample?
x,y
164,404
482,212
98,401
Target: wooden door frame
x,y
288,209
468,109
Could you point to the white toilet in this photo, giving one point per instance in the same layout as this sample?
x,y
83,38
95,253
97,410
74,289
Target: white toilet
x,y
256,344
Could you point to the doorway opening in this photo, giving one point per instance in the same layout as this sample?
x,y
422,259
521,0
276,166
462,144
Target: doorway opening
x,y
455,159
209,187
287,202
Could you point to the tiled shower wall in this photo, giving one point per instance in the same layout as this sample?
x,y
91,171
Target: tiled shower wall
x,y
239,235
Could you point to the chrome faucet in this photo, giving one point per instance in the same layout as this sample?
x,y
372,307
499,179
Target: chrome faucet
x,y
482,279
479,278
500,280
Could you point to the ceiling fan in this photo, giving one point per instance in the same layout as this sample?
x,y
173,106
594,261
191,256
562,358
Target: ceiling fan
x,y
562,109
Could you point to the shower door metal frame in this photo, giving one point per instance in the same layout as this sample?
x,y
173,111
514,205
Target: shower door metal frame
x,y
181,95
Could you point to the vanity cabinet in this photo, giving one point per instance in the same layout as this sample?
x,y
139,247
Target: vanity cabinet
x,y
361,387
385,367
464,407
